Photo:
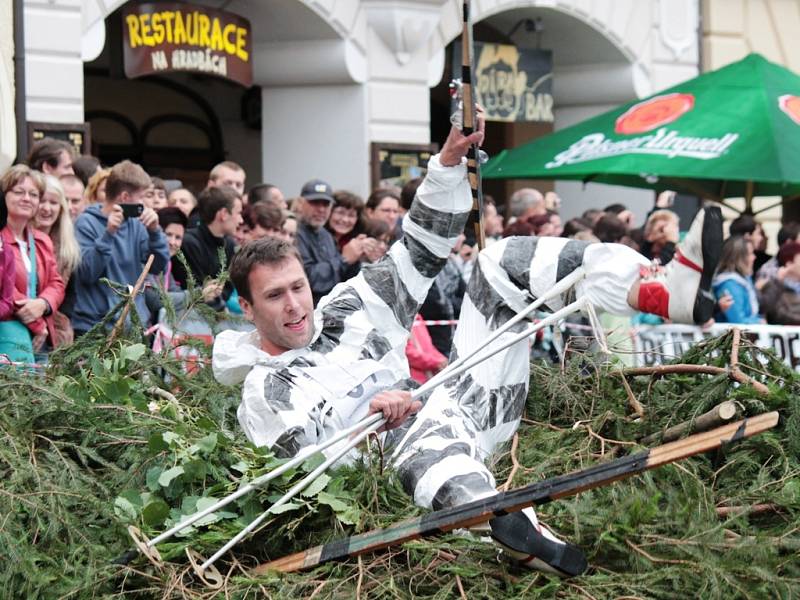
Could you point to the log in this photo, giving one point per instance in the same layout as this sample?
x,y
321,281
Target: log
x,y
718,415
755,509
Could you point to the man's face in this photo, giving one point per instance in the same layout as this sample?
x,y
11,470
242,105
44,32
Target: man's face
x,y
183,200
64,166
492,220
159,199
233,218
276,197
387,211
73,190
282,308
316,212
229,177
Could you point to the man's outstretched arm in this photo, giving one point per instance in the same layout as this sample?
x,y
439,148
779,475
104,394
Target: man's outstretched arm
x,y
431,228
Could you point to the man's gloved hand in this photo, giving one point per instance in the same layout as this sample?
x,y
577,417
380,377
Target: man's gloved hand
x,y
457,145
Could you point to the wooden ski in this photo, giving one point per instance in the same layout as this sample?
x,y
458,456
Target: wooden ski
x,y
480,511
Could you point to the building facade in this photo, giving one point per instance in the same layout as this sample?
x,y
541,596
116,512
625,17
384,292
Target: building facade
x,y
330,77
731,30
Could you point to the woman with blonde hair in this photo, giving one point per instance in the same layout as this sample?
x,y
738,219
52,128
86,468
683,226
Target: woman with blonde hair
x,y
96,188
53,219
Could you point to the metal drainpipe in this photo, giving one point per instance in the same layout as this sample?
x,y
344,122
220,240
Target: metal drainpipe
x,y
700,27
19,80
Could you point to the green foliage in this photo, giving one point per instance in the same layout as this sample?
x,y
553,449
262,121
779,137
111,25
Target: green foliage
x,y
107,439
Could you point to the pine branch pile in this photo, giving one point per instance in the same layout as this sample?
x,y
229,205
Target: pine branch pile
x,y
106,439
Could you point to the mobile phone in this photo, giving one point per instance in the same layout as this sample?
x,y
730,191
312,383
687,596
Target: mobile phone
x,y
132,211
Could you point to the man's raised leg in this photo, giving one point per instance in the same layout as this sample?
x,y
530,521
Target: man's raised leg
x,y
441,458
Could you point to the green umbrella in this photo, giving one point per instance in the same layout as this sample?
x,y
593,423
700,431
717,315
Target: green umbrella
x,y
728,133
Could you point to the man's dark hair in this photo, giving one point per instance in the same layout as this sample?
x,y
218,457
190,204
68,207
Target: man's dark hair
x,y
260,193
266,251
615,209
573,226
788,231
409,191
743,225
264,214
375,228
609,229
170,215
85,166
48,150
158,184
590,215
212,199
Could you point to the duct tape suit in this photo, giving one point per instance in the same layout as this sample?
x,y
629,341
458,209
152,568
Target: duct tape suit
x,y
303,396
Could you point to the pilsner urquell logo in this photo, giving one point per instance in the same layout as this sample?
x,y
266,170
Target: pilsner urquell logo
x,y
641,118
791,106
654,113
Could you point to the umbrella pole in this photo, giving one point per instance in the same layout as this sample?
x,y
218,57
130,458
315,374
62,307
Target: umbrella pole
x,y
748,198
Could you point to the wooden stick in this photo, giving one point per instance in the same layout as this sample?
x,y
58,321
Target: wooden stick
x,y
735,347
632,400
755,509
660,370
715,417
469,125
127,308
514,462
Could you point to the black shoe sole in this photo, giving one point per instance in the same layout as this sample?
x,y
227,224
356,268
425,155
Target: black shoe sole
x,y
704,302
516,532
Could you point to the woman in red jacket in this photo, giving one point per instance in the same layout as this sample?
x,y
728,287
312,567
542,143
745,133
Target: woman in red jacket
x,y
39,289
424,360
7,273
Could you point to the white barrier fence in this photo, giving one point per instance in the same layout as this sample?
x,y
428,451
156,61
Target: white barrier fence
x,y
652,345
656,344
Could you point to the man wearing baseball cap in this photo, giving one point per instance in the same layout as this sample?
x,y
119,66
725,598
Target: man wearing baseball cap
x,y
324,265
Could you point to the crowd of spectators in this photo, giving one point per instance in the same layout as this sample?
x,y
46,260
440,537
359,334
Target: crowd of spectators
x,y
68,224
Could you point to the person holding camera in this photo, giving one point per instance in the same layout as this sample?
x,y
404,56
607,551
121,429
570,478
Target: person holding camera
x,y
116,238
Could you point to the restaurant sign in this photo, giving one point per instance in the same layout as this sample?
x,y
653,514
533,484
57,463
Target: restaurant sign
x,y
166,37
